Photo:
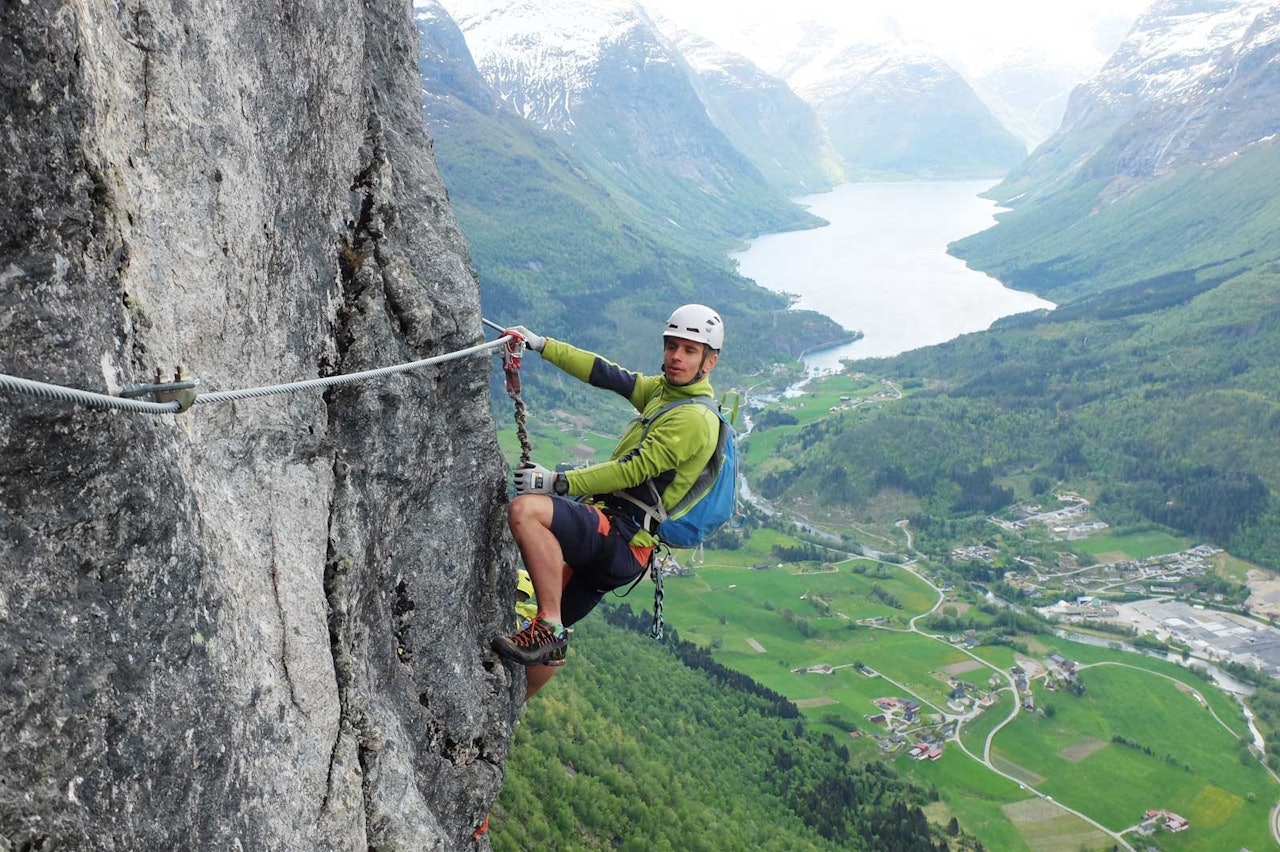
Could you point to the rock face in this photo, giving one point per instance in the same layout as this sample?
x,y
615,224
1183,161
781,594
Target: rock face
x,y
258,624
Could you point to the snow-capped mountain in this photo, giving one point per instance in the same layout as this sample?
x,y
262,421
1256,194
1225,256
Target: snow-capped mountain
x,y
759,113
559,244
604,79
1027,94
892,108
542,57
444,62
1195,81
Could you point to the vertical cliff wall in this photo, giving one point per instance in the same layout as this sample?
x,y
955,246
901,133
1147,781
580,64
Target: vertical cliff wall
x,y
261,624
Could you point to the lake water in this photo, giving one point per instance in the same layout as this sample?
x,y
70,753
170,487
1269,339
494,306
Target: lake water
x,y
881,267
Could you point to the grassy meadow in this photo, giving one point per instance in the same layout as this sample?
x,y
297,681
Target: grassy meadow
x,y
1178,751
1137,741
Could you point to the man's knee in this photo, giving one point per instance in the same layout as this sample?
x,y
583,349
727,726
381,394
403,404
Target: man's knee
x,y
528,509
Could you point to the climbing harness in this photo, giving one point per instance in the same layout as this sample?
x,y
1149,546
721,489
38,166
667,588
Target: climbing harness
x,y
511,373
181,393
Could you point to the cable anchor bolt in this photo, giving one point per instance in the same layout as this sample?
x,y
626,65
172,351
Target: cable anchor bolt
x,y
180,389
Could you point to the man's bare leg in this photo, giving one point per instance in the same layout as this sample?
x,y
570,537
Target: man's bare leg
x,y
529,517
536,677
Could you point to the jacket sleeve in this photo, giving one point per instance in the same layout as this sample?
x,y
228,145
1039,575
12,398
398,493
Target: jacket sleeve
x,y
596,371
673,441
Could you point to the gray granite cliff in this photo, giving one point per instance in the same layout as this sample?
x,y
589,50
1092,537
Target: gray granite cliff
x,y
257,625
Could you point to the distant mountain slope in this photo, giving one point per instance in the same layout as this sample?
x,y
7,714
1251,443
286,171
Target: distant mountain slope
x,y
1165,163
895,110
600,78
556,250
760,115
1193,82
1028,95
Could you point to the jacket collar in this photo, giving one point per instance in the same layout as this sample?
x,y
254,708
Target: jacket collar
x,y
702,387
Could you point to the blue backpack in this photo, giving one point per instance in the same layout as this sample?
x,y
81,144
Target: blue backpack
x,y
711,499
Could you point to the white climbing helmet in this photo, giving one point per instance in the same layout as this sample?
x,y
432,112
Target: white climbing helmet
x,y
697,323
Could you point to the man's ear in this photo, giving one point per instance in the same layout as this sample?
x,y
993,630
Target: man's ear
x,y
709,360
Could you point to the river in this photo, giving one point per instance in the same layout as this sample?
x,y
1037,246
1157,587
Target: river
x,y
881,266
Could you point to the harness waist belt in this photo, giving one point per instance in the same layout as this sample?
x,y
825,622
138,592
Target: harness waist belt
x,y
629,513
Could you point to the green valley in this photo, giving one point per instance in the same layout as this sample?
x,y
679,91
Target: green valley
x,y
902,649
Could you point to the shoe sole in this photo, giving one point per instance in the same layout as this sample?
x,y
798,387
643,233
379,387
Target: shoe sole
x,y
554,656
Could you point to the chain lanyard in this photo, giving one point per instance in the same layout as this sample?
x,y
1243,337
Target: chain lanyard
x,y
656,571
511,370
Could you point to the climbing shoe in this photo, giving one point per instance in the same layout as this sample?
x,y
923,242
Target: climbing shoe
x,y
539,644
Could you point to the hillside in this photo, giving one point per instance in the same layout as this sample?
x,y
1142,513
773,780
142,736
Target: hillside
x,y
1192,85
556,249
668,756
760,115
1168,416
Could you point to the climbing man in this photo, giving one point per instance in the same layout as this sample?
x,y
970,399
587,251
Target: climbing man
x,y
578,536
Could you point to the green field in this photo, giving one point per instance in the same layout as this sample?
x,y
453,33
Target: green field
x,y
974,734
1174,756
1140,545
769,623
979,808
1218,701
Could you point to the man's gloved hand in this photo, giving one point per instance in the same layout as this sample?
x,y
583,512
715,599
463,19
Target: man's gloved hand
x,y
531,340
536,479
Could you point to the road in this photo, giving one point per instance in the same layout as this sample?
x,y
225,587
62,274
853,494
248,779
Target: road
x,y
961,718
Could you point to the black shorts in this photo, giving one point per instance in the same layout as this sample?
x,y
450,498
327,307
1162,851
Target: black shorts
x,y
597,548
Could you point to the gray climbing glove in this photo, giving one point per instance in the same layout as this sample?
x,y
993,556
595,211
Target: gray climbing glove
x,y
533,341
536,479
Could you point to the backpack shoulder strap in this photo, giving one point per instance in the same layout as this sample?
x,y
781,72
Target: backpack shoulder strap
x,y
676,403
655,512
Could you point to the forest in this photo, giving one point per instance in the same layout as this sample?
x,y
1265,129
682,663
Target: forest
x,y
640,745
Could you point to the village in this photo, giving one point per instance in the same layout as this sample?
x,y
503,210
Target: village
x,y
1166,574
1165,596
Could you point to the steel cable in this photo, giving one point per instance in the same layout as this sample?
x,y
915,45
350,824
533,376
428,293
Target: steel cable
x,y
44,390
89,398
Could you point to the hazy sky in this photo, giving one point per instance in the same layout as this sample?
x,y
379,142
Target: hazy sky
x,y
973,32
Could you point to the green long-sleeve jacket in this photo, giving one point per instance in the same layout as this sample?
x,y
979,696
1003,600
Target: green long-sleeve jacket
x,y
677,448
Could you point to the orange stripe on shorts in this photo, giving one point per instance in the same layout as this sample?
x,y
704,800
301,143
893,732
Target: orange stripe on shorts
x,y
602,521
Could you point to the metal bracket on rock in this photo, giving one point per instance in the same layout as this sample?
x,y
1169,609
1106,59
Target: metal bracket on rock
x,y
181,389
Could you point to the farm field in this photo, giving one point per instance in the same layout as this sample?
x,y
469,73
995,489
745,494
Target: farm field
x,y
769,623
974,733
1137,735
1143,545
972,794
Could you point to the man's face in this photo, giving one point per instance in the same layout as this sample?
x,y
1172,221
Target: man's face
x,y
682,359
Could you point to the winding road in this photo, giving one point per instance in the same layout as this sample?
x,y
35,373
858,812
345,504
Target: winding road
x,y
960,719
